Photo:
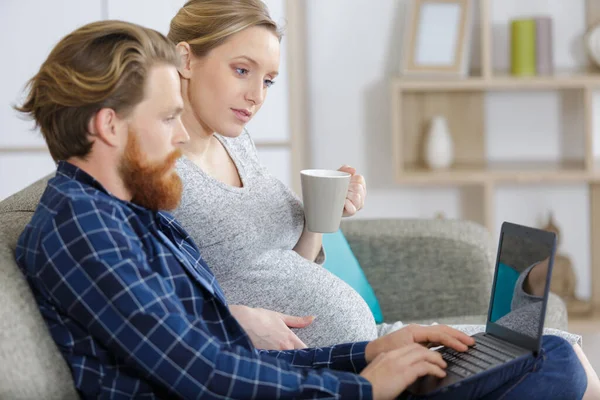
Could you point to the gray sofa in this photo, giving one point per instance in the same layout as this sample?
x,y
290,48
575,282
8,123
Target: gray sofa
x,y
421,270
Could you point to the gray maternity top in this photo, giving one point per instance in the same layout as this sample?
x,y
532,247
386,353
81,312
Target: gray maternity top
x,y
246,235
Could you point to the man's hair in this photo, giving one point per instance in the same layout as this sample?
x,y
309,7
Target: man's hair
x,y
100,65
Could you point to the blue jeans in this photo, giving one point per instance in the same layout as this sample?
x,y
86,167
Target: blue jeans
x,y
555,373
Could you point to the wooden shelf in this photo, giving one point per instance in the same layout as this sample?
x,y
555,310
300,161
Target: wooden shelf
x,y
415,101
510,172
501,81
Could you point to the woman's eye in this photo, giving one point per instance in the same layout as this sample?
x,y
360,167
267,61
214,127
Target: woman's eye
x,y
241,71
269,83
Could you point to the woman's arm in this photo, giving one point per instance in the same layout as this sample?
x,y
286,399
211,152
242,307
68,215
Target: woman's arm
x,y
309,245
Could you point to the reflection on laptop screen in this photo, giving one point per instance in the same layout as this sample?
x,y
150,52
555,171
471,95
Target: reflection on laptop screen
x,y
512,308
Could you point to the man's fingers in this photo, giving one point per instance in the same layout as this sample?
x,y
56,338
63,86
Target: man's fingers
x,y
415,361
425,368
447,340
415,353
451,341
463,337
459,336
443,335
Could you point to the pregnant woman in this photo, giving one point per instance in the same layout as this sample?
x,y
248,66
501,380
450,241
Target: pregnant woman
x,y
248,225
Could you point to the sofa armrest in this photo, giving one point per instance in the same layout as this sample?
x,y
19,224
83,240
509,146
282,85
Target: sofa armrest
x,y
556,313
422,269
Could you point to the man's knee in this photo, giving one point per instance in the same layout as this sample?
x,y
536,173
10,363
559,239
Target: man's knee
x,y
553,343
557,346
555,349
562,363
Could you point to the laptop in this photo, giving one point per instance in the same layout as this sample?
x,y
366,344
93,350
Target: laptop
x,y
504,341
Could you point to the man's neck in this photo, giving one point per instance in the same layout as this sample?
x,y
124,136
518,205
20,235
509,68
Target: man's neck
x,y
104,172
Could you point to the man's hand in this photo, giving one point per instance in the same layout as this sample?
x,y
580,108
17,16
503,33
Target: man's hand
x,y
398,359
427,336
270,330
392,372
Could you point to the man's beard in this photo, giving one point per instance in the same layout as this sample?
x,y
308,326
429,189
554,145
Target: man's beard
x,y
154,186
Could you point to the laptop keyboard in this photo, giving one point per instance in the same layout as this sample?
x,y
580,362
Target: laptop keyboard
x,y
484,355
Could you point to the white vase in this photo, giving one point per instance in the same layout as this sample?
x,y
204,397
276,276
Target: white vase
x,y
439,149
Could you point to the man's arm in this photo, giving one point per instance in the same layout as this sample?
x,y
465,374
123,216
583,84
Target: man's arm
x,y
135,313
348,357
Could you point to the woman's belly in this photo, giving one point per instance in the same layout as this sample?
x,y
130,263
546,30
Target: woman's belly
x,y
283,281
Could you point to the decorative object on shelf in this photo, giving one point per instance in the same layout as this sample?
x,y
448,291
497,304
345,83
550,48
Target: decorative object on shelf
x,y
439,149
564,279
437,38
544,45
592,44
522,46
531,46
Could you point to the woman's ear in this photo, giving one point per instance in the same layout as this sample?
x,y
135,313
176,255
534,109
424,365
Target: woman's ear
x,y
185,56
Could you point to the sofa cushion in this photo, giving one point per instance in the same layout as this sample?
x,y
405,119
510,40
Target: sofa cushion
x,y
31,366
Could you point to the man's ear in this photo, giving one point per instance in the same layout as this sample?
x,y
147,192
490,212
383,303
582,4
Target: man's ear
x,y
104,126
185,56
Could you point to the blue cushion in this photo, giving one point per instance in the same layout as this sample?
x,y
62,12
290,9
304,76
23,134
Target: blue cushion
x,y
341,262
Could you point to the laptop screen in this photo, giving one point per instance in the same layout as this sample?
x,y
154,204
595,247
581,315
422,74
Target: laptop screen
x,y
521,284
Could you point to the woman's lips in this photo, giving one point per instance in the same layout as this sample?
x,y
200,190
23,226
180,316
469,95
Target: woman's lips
x,y
242,115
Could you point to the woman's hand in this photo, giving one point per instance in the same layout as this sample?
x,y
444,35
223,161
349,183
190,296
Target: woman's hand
x,y
357,191
270,330
310,243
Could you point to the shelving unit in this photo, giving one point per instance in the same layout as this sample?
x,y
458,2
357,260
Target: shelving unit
x,y
462,102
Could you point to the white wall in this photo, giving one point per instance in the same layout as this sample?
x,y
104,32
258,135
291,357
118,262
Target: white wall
x,y
23,50
354,48
18,19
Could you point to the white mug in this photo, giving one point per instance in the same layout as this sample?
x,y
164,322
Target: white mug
x,y
324,195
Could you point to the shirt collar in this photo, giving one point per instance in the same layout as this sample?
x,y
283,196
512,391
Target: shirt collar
x,y
71,171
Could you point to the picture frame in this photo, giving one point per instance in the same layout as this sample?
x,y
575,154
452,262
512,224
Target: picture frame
x,y
437,38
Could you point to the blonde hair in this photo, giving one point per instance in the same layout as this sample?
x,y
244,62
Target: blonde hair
x,y
100,65
206,24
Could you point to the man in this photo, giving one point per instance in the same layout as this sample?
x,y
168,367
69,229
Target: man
x,y
126,295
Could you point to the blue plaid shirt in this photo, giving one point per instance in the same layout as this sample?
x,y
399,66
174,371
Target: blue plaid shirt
x,y
136,312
